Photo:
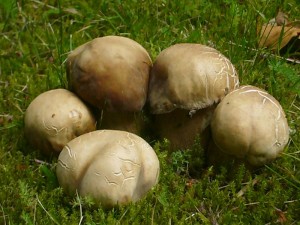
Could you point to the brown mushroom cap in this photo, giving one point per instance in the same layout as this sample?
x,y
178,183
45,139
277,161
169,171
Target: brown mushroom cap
x,y
113,167
185,83
54,118
250,124
111,73
189,76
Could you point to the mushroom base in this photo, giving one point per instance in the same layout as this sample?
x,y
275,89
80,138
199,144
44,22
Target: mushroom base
x,y
126,121
181,127
216,157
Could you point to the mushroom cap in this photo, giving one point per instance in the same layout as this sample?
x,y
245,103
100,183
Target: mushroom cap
x,y
189,76
54,118
250,124
113,167
111,73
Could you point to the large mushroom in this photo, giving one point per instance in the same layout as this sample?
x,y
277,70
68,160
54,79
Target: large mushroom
x,y
113,167
186,82
112,74
250,125
54,118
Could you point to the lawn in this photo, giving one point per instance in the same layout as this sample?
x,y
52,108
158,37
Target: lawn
x,y
36,38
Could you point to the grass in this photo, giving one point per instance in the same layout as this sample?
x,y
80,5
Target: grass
x,y
35,39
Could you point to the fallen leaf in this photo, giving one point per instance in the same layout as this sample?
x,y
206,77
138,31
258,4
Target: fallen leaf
x,y
277,37
281,36
281,217
281,18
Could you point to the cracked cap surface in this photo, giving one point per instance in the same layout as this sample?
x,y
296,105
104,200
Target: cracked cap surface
x,y
54,118
189,76
250,124
114,167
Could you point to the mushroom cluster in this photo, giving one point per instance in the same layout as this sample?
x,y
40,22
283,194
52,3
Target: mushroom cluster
x,y
190,90
114,167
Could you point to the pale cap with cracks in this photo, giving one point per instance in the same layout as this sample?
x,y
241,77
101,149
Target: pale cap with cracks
x,y
54,118
250,124
186,82
189,76
113,167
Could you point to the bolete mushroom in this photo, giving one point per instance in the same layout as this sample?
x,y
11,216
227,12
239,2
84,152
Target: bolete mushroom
x,y
250,124
54,118
186,82
112,74
113,167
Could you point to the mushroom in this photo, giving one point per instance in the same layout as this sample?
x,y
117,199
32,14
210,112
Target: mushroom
x,y
54,118
111,73
186,82
250,124
113,167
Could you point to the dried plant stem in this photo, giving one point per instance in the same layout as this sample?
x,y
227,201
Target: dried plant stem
x,y
80,208
266,54
51,217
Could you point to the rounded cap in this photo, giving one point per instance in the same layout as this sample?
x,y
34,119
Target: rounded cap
x,y
56,117
113,167
250,124
111,73
189,76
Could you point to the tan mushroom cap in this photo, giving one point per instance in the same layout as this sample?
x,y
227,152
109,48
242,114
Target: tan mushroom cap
x,y
111,73
113,167
56,117
189,76
250,124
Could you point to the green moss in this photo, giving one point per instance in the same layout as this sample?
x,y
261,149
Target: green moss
x,y
36,37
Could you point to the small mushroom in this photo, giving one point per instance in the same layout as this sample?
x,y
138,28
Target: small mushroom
x,y
113,167
112,74
54,118
186,82
250,124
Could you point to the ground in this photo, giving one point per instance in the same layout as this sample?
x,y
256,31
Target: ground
x,y
36,37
